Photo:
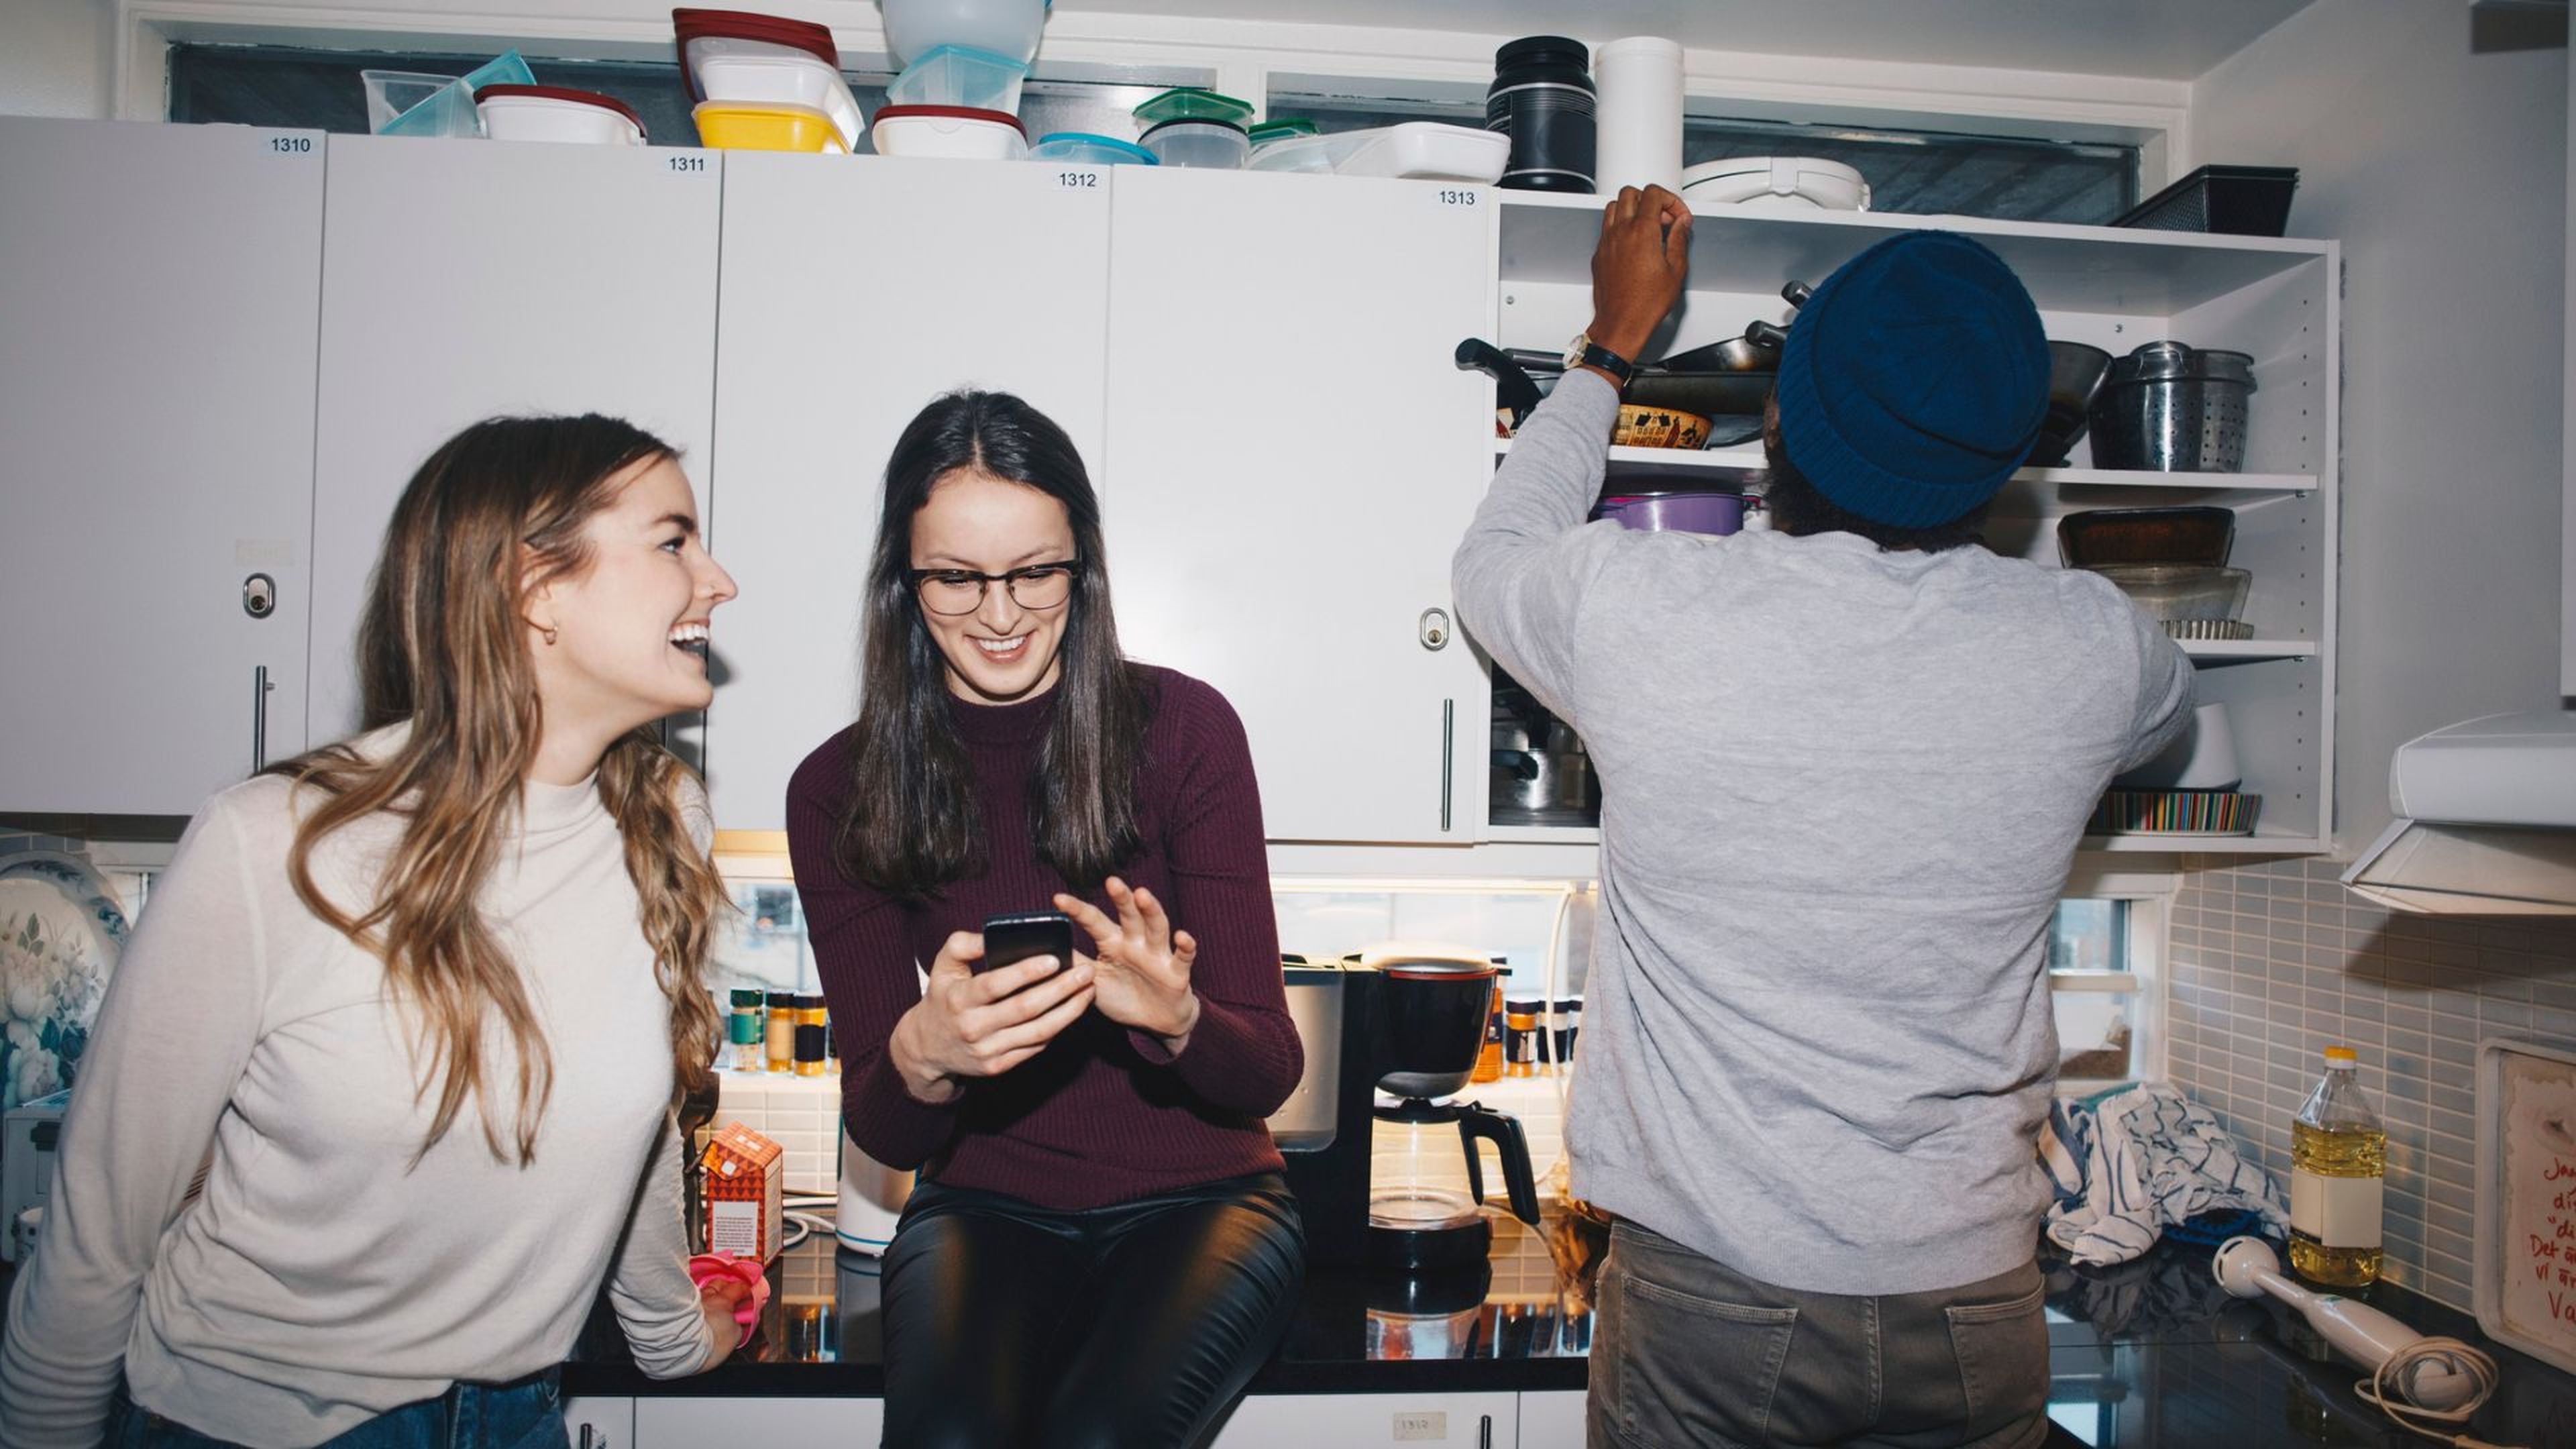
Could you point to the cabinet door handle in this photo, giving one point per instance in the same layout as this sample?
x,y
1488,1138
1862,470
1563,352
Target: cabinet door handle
x,y
1485,1431
1448,754
259,688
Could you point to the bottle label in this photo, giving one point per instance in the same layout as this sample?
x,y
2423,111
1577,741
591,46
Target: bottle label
x,y
2339,1212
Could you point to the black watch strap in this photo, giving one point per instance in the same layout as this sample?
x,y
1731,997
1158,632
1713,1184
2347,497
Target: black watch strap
x,y
1596,355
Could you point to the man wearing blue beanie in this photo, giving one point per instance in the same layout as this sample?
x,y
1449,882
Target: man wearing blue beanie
x,y
1844,768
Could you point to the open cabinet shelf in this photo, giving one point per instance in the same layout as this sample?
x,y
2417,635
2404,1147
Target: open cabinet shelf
x,y
2276,299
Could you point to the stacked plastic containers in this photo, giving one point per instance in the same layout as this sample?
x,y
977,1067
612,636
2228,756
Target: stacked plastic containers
x,y
1192,126
556,113
964,64
765,82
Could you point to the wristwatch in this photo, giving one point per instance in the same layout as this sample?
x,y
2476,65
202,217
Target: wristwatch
x,y
1584,352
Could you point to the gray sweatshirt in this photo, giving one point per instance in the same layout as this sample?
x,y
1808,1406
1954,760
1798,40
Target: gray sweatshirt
x,y
323,1277
1842,788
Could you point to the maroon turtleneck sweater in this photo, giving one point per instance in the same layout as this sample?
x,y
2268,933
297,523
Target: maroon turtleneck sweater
x,y
1104,1114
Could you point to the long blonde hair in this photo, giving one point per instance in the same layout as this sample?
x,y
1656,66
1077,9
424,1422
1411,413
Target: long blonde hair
x,y
498,510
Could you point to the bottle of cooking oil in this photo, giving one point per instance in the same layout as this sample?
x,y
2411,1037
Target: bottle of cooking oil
x,y
2338,1163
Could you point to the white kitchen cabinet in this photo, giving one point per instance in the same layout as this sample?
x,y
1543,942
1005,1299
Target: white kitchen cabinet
x,y
695,1423
854,292
157,316
599,1423
1302,1421
2278,299
463,280
1293,456
1552,1420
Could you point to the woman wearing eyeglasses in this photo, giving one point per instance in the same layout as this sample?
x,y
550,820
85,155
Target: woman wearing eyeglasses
x,y
1101,1250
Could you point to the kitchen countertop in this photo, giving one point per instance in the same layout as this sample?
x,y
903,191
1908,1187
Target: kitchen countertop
x,y
2148,1353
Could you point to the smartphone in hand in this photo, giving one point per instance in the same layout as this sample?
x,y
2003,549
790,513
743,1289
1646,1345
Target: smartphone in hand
x,y
1019,936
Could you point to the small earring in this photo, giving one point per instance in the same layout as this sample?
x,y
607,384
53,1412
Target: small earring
x,y
550,638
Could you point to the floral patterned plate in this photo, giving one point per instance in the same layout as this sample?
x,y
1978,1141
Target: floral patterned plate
x,y
61,931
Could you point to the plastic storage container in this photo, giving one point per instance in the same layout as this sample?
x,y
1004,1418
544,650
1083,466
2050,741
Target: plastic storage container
x,y
1194,103
960,75
1427,150
1542,97
1209,145
1776,183
914,28
957,132
555,113
732,126
1302,152
739,75
1082,148
408,103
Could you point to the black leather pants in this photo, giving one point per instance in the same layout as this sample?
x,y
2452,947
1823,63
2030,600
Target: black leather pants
x,y
1123,1327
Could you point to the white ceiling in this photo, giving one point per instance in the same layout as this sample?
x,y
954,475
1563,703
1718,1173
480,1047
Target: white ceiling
x,y
2147,39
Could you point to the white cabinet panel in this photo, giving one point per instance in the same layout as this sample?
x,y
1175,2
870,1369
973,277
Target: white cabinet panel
x,y
1293,457
1351,1421
597,1423
1552,1420
460,281
696,1423
854,292
157,337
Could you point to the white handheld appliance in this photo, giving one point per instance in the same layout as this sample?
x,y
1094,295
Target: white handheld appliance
x,y
2427,1373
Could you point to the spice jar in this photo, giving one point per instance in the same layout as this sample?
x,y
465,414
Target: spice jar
x,y
1520,1036
1565,1022
809,1036
744,1030
780,1040
1489,1057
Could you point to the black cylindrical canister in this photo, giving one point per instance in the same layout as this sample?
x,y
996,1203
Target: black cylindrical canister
x,y
1542,98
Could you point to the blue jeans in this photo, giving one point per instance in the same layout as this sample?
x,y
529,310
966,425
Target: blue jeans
x,y
522,1414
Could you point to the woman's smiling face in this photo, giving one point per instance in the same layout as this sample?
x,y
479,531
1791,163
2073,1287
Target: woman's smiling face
x,y
1001,651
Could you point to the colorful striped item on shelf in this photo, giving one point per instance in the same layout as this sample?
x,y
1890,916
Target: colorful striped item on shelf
x,y
2175,812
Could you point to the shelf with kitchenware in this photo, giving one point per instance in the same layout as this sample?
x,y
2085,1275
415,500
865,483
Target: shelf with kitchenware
x,y
2113,300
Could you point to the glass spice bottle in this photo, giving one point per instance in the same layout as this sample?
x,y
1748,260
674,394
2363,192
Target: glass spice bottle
x,y
780,1041
1489,1057
809,1036
745,1030
1520,1036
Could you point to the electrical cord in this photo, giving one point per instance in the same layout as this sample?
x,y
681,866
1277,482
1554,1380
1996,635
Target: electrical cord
x,y
2390,1389
799,1226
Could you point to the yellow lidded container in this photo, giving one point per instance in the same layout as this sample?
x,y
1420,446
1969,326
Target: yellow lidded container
x,y
746,126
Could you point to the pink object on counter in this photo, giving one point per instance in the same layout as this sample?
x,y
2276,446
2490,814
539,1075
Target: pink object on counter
x,y
707,1267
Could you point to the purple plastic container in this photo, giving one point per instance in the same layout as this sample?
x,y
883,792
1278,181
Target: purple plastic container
x,y
1675,512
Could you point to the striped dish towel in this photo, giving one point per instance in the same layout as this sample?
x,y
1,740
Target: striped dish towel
x,y
2127,1164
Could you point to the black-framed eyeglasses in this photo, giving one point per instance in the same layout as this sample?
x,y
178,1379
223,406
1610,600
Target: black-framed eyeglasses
x,y
961,591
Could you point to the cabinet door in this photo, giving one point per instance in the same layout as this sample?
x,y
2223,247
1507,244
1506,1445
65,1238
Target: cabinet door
x,y
1552,1420
462,280
1302,1421
156,336
1293,458
597,1423
854,292
694,1423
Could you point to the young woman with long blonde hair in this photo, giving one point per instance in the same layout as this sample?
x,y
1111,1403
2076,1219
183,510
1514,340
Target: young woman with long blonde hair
x,y
419,1004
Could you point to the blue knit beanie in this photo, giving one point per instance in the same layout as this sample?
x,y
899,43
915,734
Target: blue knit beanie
x,y
1914,380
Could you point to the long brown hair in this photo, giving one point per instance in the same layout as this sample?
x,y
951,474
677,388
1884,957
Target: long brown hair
x,y
911,824
498,510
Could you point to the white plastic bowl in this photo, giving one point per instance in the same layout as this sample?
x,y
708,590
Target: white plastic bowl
x,y
748,70
913,28
1211,145
952,131
552,113
1776,183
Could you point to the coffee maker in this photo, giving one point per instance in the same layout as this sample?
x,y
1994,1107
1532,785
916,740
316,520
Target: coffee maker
x,y
1407,1019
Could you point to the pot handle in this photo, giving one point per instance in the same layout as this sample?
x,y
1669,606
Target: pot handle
x,y
1505,1133
1515,390
1796,293
1522,764
1766,334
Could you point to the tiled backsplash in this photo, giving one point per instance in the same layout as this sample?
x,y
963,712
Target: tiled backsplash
x,y
2271,963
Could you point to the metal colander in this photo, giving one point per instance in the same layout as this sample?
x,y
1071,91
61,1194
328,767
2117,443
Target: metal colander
x,y
2174,409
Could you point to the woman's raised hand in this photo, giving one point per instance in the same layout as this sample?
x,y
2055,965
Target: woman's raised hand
x,y
969,1025
1143,965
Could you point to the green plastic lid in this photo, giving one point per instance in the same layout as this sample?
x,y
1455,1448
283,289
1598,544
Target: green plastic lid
x,y
746,998
1282,128
1194,103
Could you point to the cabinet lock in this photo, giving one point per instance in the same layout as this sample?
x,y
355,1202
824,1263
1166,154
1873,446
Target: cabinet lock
x,y
1434,628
